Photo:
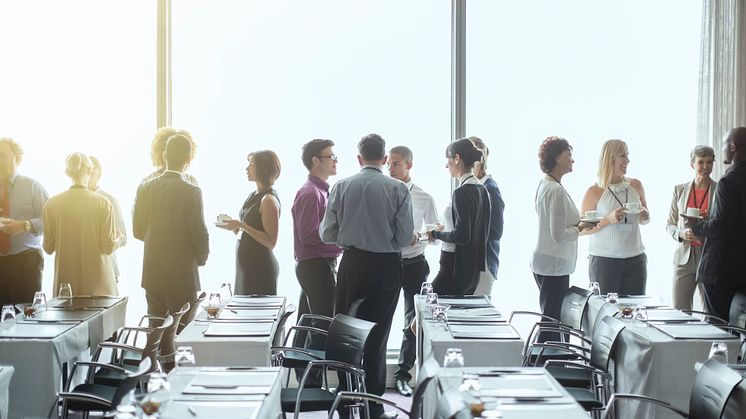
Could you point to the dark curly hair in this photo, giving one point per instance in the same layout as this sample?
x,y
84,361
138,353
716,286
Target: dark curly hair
x,y
549,150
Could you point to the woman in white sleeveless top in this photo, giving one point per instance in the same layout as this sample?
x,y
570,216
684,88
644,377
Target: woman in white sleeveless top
x,y
617,258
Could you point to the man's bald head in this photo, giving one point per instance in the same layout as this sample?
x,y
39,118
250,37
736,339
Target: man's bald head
x,y
734,146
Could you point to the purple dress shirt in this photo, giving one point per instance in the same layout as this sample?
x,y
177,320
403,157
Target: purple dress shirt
x,y
308,210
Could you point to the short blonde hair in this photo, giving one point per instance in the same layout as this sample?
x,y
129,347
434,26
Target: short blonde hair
x,y
14,147
77,165
158,145
610,149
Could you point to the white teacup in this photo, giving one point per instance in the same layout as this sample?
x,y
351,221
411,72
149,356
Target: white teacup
x,y
693,212
632,206
591,214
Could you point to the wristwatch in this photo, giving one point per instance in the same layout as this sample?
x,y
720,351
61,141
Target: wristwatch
x,y
27,225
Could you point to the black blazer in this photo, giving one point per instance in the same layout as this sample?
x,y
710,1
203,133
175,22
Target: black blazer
x,y
724,252
471,227
168,218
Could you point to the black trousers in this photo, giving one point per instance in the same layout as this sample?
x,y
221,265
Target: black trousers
x,y
20,276
414,272
376,278
169,301
627,276
552,291
719,297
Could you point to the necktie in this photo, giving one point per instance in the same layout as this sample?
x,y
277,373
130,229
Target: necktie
x,y
4,212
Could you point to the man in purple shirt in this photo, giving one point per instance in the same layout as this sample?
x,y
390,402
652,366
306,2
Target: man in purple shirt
x,y
317,261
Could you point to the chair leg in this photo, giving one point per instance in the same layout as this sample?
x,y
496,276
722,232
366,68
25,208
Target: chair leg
x,y
86,414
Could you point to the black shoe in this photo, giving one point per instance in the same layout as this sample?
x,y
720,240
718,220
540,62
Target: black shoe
x,y
389,415
402,386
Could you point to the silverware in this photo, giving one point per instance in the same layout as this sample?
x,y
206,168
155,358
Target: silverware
x,y
192,411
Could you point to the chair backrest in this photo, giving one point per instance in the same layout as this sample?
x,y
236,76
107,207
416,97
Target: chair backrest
x,y
130,381
167,346
605,336
737,314
347,338
451,405
279,335
355,307
426,375
189,316
573,306
150,350
712,388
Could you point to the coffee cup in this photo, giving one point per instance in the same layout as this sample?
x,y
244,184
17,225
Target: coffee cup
x,y
591,214
222,218
631,206
692,212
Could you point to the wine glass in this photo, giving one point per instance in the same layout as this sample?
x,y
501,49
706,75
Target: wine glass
x,y
440,311
66,291
426,288
40,302
612,298
454,358
184,356
431,299
719,351
641,313
226,291
595,288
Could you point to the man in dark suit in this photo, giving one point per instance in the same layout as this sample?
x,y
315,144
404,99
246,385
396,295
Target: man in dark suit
x,y
168,218
722,269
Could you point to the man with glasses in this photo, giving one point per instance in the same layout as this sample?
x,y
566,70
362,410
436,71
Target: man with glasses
x,y
414,269
370,216
22,201
316,260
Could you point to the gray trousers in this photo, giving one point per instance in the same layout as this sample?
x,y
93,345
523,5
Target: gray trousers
x,y
685,281
624,276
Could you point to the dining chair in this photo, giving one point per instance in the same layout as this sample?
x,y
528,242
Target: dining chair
x,y
189,316
279,337
167,347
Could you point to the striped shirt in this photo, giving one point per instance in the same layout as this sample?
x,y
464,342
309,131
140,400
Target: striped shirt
x,y
623,239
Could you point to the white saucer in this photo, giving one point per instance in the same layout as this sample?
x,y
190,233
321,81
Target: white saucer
x,y
221,224
695,217
591,220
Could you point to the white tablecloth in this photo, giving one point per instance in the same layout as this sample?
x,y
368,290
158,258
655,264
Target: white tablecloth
x,y
265,406
225,351
563,407
38,361
434,340
6,372
651,363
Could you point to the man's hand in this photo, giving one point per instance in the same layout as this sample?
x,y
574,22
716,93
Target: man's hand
x,y
687,234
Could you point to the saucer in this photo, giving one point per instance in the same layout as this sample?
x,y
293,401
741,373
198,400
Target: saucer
x,y
694,217
220,224
591,220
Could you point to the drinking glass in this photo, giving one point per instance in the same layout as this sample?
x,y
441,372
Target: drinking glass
x,y
454,358
66,291
431,299
641,313
440,311
595,288
226,291
470,383
612,298
8,314
184,356
214,304
40,301
719,351
426,288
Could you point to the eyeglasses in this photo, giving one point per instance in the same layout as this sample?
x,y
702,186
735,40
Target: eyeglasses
x,y
331,156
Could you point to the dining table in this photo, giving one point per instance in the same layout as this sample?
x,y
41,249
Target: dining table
x,y
6,372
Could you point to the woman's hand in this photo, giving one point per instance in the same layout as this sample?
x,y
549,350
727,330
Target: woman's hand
x,y
231,225
644,215
430,234
614,216
586,229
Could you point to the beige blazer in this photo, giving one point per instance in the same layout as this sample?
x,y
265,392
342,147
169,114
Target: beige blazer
x,y
676,224
79,227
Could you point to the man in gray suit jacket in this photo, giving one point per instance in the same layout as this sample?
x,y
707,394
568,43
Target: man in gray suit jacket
x,y
168,218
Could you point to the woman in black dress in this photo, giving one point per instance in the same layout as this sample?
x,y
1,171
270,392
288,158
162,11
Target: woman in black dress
x,y
256,267
470,209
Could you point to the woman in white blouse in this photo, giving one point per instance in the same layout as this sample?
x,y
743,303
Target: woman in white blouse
x,y
617,258
556,249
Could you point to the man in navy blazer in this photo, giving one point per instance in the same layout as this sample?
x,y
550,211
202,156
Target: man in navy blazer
x,y
496,221
168,218
722,269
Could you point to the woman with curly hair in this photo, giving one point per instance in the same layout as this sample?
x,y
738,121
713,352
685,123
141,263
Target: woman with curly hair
x,y
158,146
556,249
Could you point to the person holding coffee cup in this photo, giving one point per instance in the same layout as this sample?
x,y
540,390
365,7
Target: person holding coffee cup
x,y
556,251
617,258
694,199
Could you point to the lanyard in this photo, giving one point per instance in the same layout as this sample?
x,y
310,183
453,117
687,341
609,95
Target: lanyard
x,y
626,198
694,192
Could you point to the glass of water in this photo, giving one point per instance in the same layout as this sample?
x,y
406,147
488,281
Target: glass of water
x,y
40,302
8,314
226,291
595,288
440,311
454,358
66,291
612,298
431,299
184,356
426,288
641,313
719,351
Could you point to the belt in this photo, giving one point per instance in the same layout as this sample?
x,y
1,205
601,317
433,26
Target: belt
x,y
412,261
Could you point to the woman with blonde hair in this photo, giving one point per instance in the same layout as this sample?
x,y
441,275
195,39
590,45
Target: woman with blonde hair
x,y
158,146
79,227
617,258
